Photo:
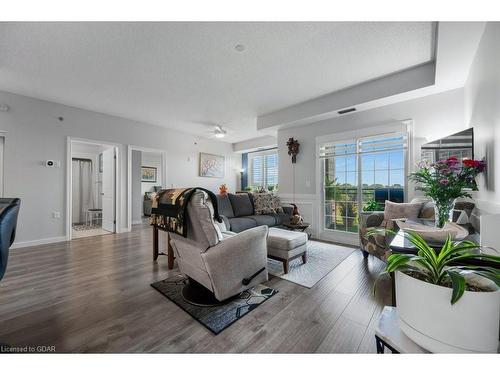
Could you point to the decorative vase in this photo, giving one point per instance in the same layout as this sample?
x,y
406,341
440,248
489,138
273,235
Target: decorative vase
x,y
442,210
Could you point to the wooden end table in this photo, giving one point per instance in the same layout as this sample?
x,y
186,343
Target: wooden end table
x,y
300,227
156,251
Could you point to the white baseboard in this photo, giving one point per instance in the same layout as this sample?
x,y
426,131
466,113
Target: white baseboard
x,y
43,241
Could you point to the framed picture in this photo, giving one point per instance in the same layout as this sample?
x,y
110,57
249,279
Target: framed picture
x,y
148,174
211,165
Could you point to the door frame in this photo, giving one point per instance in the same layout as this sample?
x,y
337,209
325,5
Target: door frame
x,y
69,181
163,181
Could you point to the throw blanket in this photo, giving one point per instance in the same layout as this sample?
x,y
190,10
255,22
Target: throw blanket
x,y
169,208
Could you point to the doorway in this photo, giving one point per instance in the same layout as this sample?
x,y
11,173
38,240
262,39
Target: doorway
x,y
146,174
92,180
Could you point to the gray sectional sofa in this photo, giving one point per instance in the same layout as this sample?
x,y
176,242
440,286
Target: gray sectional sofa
x,y
238,213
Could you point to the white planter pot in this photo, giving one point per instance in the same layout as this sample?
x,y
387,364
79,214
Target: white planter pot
x,y
427,317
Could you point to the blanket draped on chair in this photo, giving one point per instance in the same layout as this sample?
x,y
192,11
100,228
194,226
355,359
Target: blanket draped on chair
x,y
169,208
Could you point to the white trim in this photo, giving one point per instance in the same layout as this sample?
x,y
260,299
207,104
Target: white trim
x,y
163,181
43,241
69,172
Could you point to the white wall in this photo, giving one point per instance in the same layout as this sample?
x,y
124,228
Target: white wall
x,y
151,159
34,134
137,195
482,103
434,116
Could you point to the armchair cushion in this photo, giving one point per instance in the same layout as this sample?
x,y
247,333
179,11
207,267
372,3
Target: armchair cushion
x,y
401,210
202,211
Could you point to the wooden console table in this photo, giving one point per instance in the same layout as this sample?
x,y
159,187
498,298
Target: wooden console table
x,y
156,248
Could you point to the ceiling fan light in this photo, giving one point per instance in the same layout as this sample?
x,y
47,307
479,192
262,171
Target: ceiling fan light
x,y
220,135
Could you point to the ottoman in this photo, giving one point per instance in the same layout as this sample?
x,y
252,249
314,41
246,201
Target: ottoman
x,y
286,245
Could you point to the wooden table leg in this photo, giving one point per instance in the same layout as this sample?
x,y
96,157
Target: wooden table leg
x,y
155,243
170,253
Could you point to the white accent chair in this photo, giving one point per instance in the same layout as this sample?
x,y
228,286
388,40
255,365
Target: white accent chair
x,y
216,258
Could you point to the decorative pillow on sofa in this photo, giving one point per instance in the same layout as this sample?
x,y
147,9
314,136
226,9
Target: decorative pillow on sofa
x,y
242,204
263,203
277,204
401,210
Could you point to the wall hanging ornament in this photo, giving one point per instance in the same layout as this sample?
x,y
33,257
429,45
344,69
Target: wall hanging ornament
x,y
293,149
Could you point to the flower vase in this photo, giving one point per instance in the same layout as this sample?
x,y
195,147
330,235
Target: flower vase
x,y
442,209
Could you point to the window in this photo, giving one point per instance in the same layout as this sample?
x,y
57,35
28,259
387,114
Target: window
x,y
360,170
263,168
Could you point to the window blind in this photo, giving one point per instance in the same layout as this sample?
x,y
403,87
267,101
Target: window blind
x,y
383,142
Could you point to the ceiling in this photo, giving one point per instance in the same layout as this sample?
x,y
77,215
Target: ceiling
x,y
189,76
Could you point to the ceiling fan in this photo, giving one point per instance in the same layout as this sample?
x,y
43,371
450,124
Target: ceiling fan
x,y
218,132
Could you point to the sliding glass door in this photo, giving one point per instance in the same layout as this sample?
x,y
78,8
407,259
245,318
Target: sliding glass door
x,y
358,171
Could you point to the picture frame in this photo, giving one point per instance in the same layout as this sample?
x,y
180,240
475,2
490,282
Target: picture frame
x,y
211,165
148,174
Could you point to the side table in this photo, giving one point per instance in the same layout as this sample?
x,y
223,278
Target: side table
x,y
388,334
300,227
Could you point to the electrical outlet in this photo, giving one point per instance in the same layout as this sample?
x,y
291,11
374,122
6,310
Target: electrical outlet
x,y
56,215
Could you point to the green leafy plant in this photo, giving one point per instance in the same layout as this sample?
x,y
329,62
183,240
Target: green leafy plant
x,y
371,205
438,267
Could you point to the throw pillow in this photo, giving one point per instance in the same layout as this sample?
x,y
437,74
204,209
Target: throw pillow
x,y
241,203
263,203
401,210
277,204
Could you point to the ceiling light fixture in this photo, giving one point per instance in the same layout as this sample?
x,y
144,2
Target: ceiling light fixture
x,y
219,132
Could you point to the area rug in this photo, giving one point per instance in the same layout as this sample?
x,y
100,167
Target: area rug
x,y
322,258
215,318
80,227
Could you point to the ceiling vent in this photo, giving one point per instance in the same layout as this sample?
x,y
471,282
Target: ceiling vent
x,y
344,111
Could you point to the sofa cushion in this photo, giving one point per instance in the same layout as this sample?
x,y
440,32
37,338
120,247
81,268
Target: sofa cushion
x,y
268,220
241,203
280,218
239,224
224,205
401,210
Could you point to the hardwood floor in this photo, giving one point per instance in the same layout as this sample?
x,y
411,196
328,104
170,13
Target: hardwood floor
x,y
93,295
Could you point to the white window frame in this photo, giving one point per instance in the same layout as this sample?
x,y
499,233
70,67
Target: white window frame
x,y
252,156
400,126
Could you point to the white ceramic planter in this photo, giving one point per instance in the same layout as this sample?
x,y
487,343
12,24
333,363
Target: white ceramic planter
x,y
426,316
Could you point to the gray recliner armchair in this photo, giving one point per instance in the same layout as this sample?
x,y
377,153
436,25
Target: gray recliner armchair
x,y
223,262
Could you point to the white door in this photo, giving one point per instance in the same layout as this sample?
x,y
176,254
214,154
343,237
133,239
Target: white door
x,y
108,190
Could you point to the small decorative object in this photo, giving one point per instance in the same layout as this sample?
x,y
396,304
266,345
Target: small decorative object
x,y
293,149
296,220
148,174
211,165
446,180
295,209
445,305
223,189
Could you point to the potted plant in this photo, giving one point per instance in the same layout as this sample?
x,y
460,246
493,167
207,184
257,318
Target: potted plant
x,y
371,205
445,180
445,303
